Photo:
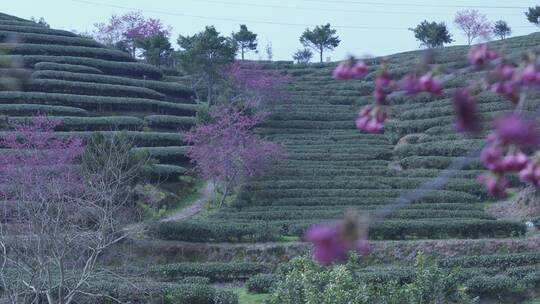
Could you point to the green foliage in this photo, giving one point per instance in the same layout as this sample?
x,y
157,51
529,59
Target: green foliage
x,y
156,49
214,231
34,38
191,294
205,53
170,121
133,69
305,282
98,103
66,67
320,38
100,151
35,29
195,280
88,88
167,88
64,50
245,40
302,56
501,29
34,109
533,15
261,283
69,123
215,271
432,34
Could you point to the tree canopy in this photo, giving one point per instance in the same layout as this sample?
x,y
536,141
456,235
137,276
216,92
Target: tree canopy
x,y
205,53
245,40
303,55
501,29
155,49
432,34
533,15
320,38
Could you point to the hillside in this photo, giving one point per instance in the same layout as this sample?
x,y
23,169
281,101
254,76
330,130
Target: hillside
x,y
89,87
332,167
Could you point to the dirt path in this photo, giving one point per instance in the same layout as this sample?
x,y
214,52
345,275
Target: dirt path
x,y
195,207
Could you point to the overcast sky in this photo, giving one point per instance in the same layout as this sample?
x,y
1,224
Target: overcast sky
x,y
366,27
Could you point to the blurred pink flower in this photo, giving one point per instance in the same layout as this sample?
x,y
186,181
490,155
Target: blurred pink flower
x,y
480,54
466,112
513,129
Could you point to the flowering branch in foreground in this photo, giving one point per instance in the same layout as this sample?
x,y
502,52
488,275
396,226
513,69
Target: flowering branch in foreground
x,y
506,146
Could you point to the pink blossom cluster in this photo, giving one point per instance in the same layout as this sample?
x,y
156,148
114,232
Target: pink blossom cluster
x,y
412,84
37,157
257,86
503,153
131,26
227,148
333,242
350,69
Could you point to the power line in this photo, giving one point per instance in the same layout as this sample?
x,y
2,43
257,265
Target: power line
x,y
416,4
234,19
310,8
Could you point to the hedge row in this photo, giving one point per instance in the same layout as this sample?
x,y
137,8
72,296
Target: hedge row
x,y
111,123
335,214
35,29
214,231
172,154
88,88
6,36
440,148
499,261
162,172
171,89
436,162
133,69
64,50
170,121
215,271
421,229
35,109
156,293
97,103
65,67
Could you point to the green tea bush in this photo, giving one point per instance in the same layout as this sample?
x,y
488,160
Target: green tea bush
x,y
64,50
71,68
215,271
261,283
47,39
133,69
214,231
35,109
88,88
171,89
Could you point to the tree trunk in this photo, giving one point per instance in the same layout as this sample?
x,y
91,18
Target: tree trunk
x,y
224,196
210,83
321,52
242,54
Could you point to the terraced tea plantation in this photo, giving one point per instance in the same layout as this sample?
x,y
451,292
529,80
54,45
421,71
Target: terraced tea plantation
x,y
332,167
88,88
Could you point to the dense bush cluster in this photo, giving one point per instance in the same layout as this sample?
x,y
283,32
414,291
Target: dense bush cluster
x,y
212,270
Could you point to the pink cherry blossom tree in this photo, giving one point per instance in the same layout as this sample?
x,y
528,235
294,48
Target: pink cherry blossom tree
x,y
123,31
56,217
255,86
473,24
227,150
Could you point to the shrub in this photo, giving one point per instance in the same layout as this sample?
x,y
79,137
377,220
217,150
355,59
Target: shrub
x,y
172,154
191,294
168,88
88,88
64,50
170,121
261,283
34,109
35,29
65,67
195,280
98,103
225,297
133,69
47,39
214,231
215,271
91,123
